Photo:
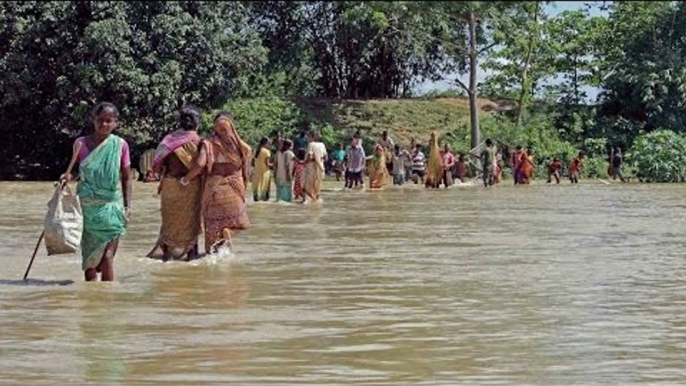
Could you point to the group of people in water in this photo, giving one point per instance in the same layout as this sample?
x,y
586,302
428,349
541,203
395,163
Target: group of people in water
x,y
202,185
203,181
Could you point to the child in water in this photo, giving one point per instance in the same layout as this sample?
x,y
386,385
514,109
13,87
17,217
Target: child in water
x,y
575,168
554,170
461,168
298,174
498,169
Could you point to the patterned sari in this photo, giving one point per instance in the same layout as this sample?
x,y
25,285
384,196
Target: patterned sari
x,y
378,173
181,216
223,200
101,200
434,169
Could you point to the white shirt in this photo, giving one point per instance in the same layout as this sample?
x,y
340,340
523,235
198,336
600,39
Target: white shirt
x,y
399,161
318,150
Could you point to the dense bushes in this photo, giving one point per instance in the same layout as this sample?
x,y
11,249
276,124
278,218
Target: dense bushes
x,y
149,58
660,156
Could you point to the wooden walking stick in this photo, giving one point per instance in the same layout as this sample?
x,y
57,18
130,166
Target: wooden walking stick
x,y
62,184
26,274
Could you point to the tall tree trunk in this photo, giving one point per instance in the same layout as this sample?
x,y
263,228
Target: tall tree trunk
x,y
473,68
525,70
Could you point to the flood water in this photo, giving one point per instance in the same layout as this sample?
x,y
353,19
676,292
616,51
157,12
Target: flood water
x,y
542,285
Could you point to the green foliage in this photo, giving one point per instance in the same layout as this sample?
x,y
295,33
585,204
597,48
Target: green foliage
x,y
595,147
646,53
351,49
291,65
263,116
149,58
523,58
258,117
660,156
595,167
537,133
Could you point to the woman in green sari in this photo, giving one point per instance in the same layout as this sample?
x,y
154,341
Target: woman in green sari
x,y
104,191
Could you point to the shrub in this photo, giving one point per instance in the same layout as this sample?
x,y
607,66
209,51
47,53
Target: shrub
x,y
659,156
595,167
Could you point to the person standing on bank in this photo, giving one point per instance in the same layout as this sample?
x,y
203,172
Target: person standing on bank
x,y
104,192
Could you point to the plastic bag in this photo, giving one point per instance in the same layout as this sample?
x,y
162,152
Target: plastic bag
x,y
63,222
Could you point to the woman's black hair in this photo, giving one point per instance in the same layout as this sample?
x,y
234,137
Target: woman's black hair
x,y
190,117
301,154
263,142
287,145
102,106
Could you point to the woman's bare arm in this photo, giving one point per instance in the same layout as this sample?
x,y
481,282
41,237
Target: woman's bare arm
x,y
127,188
199,164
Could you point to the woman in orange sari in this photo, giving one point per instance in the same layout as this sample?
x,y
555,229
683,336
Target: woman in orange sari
x,y
224,160
526,167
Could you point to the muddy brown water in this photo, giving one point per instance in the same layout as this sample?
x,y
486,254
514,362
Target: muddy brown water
x,y
541,285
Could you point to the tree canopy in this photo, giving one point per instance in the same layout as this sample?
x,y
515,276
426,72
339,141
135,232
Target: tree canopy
x,y
150,58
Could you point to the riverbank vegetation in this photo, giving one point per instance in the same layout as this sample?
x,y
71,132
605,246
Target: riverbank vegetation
x,y
344,66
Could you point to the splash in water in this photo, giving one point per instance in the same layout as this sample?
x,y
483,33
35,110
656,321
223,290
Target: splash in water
x,y
224,255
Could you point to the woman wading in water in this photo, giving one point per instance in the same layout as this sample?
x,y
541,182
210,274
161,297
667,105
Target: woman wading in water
x,y
104,191
180,199
223,159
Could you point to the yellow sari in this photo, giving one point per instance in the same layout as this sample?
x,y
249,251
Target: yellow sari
x,y
181,217
261,179
434,167
378,173
180,205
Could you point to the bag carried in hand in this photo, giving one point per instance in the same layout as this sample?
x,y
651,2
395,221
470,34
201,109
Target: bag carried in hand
x,y
63,223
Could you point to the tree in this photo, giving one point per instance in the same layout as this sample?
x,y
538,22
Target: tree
x,y
290,69
474,30
572,37
149,58
646,82
523,59
358,49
